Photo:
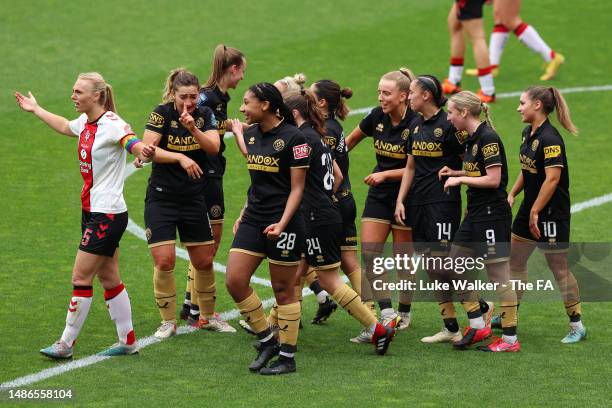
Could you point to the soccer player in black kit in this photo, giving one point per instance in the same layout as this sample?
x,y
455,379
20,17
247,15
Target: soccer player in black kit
x,y
184,133
485,230
543,219
228,67
270,226
433,212
388,125
324,235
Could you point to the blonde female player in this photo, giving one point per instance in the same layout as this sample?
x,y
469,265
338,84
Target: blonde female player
x,y
103,140
485,231
290,84
543,219
184,134
506,14
270,226
228,68
434,213
389,126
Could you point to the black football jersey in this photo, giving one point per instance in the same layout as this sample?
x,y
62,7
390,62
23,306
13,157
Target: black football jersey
x,y
482,150
171,177
217,101
390,142
545,148
317,204
270,157
434,143
334,139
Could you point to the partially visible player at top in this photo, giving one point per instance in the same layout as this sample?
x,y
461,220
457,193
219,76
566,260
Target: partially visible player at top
x,y
184,134
485,231
389,126
270,225
465,17
228,68
506,14
543,219
103,139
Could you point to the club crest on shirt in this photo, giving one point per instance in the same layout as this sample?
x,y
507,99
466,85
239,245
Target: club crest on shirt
x,y
438,132
416,130
474,150
405,134
200,122
380,127
252,140
219,107
535,144
215,210
173,124
87,135
278,145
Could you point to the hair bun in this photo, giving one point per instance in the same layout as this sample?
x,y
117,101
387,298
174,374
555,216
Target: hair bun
x,y
300,78
346,93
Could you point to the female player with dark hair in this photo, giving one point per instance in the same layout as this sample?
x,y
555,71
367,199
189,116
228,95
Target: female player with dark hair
x,y
184,133
506,14
389,126
465,17
228,67
324,235
434,213
543,219
103,140
270,226
485,231
331,99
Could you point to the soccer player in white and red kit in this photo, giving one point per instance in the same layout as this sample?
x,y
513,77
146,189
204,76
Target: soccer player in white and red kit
x,y
104,139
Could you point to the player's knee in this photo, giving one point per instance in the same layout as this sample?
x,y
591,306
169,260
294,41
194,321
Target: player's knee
x,y
511,22
283,292
165,263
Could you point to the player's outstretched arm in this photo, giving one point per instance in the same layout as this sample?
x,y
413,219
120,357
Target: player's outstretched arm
x,y
58,123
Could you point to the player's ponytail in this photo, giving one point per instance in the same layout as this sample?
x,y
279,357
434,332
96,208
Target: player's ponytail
x,y
469,101
305,103
178,77
335,96
431,84
267,92
551,99
98,84
223,58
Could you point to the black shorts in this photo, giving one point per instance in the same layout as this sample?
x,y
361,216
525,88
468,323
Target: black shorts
x,y
469,9
380,207
163,216
555,234
348,212
322,245
287,250
489,239
434,226
213,195
102,232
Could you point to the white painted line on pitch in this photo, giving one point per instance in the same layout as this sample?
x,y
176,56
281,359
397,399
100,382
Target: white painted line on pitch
x,y
234,313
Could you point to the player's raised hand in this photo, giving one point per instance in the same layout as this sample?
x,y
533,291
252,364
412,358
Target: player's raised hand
x,y
186,119
235,126
27,103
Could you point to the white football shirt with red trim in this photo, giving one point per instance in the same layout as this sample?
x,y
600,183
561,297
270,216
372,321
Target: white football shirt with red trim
x,y
102,161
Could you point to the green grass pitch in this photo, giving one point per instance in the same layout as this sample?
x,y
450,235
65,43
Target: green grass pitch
x,y
45,44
